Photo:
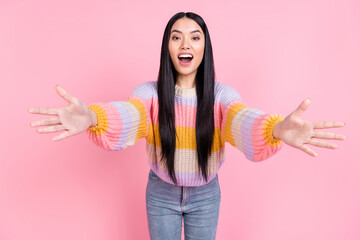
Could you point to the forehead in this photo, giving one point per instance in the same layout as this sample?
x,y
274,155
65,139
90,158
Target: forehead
x,y
186,25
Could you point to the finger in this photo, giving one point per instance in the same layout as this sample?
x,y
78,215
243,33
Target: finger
x,y
48,111
323,144
302,107
308,150
62,136
327,135
54,128
64,94
328,124
45,122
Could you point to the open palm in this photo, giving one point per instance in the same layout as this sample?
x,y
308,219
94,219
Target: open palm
x,y
75,118
297,132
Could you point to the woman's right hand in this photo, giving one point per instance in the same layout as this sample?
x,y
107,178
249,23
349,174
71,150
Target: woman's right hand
x,y
75,118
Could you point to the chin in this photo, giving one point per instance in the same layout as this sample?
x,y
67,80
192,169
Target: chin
x,y
185,71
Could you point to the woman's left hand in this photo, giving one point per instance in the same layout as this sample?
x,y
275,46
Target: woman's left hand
x,y
297,132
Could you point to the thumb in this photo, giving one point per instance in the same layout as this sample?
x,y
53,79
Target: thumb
x,y
302,107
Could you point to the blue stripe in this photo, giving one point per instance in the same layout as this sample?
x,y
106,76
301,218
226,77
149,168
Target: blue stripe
x,y
247,124
146,90
126,122
186,101
226,94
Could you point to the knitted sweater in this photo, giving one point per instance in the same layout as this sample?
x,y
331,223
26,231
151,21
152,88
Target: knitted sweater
x,y
122,123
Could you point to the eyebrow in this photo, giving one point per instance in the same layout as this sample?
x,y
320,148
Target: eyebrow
x,y
181,32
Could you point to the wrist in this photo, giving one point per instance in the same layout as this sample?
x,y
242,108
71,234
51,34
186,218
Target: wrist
x,y
93,118
276,130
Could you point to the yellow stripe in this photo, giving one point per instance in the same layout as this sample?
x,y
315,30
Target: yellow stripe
x,y
102,120
187,137
269,127
234,109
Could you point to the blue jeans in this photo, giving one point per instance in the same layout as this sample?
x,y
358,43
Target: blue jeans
x,y
166,204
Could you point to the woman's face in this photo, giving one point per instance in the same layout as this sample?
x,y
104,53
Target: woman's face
x,y
186,36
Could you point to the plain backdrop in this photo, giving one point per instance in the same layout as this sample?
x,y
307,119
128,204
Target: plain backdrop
x,y
275,53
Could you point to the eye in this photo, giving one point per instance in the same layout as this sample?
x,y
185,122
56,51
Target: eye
x,y
174,37
197,38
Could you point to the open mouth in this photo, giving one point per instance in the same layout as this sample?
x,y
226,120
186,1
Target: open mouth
x,y
185,58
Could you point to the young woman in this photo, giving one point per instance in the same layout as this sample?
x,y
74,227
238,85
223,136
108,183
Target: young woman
x,y
186,118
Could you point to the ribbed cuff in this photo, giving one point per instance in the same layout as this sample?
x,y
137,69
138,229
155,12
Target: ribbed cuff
x,y
102,120
268,128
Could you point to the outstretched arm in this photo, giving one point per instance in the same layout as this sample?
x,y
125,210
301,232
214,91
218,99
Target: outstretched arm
x,y
297,132
122,123
248,129
112,126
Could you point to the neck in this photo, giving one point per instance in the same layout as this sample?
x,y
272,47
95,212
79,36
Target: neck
x,y
186,81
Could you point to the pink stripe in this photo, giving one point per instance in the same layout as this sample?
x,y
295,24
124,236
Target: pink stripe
x,y
262,150
186,113
115,122
185,116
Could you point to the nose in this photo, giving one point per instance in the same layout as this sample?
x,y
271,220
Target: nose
x,y
185,44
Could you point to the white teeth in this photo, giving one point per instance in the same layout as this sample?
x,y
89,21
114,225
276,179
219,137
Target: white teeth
x,y
185,55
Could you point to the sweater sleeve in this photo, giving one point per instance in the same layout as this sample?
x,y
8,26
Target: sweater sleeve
x,y
121,123
248,129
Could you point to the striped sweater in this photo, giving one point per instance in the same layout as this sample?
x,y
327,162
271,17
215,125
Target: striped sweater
x,y
122,123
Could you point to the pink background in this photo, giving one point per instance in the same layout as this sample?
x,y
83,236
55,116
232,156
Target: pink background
x,y
275,53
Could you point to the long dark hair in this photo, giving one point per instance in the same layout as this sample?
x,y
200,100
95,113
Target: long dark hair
x,y
204,81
